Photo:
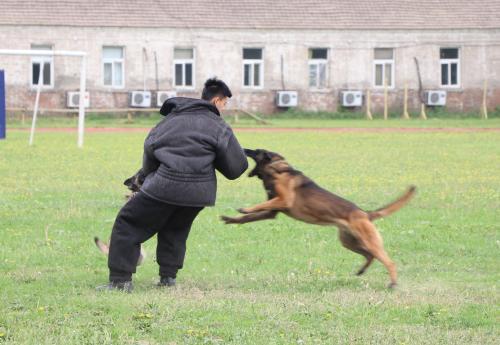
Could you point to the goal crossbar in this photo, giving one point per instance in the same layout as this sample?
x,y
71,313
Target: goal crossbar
x,y
83,68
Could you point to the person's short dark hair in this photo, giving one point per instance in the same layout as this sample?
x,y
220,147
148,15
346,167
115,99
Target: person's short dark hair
x,y
215,88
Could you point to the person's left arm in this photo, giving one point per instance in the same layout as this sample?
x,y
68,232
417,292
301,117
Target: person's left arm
x,y
230,158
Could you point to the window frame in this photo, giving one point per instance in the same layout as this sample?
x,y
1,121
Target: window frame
x,y
252,63
317,62
384,62
42,59
112,61
449,62
183,62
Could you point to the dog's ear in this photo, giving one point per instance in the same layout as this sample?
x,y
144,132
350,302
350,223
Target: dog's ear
x,y
135,182
129,182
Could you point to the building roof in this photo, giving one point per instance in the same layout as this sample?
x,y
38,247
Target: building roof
x,y
256,14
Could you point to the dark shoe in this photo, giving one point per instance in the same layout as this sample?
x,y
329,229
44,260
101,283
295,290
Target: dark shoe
x,y
166,281
117,286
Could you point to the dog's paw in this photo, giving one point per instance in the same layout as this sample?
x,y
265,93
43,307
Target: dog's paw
x,y
360,272
243,210
229,220
392,286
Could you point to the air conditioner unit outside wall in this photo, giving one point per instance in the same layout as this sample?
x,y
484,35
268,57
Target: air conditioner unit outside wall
x,y
73,99
286,99
140,99
435,97
162,96
352,98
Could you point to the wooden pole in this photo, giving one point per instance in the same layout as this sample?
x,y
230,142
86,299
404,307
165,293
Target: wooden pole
x,y
484,107
385,99
368,105
405,115
423,115
81,103
129,117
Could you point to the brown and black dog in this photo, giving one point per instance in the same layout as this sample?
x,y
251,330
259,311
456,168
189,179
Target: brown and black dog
x,y
297,196
134,184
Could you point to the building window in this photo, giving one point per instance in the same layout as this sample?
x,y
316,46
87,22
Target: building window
x,y
383,67
253,71
113,66
450,67
183,67
48,67
318,58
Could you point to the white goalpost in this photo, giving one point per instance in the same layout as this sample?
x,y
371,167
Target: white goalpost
x,y
83,68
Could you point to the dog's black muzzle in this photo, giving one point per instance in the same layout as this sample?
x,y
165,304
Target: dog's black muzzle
x,y
251,153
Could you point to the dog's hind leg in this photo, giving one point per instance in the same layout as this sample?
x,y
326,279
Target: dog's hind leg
x,y
382,256
369,260
350,242
371,241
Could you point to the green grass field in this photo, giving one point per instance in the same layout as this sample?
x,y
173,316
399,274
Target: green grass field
x,y
272,282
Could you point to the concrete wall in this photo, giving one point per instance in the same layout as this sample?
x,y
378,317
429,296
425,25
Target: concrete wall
x,y
219,53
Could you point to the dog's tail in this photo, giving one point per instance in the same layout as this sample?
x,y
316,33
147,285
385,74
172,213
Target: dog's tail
x,y
104,248
394,206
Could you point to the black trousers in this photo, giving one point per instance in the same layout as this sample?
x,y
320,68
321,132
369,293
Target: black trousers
x,y
141,218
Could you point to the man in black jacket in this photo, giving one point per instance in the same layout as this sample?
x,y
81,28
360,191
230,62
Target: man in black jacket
x,y
181,154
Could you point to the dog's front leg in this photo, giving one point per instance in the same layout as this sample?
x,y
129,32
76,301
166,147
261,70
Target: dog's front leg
x,y
275,204
251,217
